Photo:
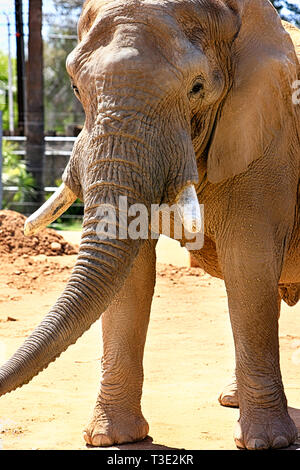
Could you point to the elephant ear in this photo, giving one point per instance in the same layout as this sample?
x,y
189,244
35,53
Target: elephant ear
x,y
259,103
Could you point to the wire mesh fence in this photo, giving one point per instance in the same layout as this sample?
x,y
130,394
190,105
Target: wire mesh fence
x,y
57,154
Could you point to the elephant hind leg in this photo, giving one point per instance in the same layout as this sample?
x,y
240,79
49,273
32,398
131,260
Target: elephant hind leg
x,y
117,417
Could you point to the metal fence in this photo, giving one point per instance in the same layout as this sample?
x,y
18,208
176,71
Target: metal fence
x,y
57,154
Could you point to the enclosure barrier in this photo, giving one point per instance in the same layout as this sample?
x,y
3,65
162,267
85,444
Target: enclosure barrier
x,y
57,153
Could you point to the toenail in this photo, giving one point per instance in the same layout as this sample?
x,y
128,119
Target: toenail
x,y
257,444
101,440
279,442
86,437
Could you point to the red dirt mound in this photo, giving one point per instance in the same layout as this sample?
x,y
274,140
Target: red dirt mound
x,y
13,241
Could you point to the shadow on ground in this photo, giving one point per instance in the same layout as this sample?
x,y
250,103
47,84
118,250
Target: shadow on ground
x,y
146,444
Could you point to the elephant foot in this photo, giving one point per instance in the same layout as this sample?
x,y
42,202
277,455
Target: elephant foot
x,y
111,428
229,395
272,433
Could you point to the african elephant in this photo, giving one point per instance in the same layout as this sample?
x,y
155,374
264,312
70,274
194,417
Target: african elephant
x,y
178,95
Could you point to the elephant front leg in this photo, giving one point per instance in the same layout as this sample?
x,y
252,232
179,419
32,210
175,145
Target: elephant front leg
x,y
117,417
251,272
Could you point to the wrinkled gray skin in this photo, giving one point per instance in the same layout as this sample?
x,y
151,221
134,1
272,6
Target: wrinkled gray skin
x,y
181,91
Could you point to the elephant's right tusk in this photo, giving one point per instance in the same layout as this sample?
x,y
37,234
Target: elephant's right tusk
x,y
54,207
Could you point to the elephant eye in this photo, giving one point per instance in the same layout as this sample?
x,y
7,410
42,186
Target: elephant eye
x,y
75,89
197,88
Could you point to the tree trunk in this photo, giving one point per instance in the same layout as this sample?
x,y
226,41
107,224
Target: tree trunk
x,y
35,106
20,67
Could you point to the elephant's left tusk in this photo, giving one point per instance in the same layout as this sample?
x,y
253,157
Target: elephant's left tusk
x,y
189,209
54,207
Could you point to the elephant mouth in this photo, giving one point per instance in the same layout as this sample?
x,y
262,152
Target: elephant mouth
x,y
186,202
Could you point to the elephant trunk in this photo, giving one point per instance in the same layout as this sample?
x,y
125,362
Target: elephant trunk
x,y
99,273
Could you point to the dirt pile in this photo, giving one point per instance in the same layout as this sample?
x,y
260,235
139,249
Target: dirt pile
x,y
13,241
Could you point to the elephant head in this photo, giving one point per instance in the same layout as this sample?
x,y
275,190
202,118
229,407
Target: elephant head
x,y
167,86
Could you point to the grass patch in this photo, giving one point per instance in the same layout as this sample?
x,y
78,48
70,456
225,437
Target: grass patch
x,y
72,226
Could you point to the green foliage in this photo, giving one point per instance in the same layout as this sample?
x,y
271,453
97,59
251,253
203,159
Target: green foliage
x,y
14,174
289,10
61,106
74,225
4,79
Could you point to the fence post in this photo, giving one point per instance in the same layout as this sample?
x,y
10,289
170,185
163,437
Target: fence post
x,y
1,189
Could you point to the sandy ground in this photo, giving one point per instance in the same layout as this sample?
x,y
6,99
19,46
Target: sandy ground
x,y
188,359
